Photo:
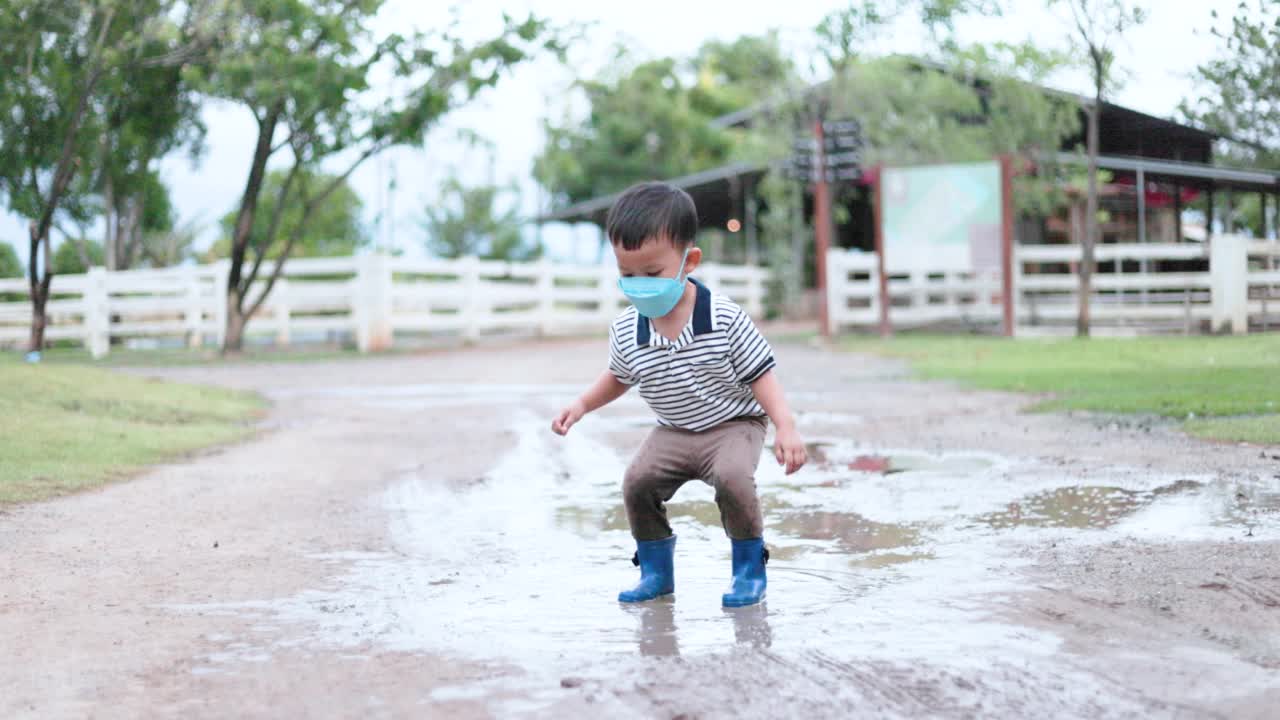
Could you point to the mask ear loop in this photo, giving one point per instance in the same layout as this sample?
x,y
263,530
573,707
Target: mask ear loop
x,y
680,276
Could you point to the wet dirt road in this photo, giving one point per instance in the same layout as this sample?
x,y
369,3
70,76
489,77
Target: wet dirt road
x,y
407,538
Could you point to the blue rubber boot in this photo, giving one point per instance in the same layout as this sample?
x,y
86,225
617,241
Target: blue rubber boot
x,y
657,576
747,588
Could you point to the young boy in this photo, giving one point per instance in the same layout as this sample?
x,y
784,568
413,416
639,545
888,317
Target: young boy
x,y
706,372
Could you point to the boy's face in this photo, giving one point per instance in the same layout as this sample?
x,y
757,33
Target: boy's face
x,y
657,257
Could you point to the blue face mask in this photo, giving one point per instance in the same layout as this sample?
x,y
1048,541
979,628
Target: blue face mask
x,y
654,296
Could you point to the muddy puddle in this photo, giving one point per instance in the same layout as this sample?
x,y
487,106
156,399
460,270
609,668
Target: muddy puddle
x,y
878,554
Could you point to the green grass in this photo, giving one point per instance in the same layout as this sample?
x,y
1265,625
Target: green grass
x,y
66,427
1225,388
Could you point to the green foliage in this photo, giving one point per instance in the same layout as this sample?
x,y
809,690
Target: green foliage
x,y
10,265
736,74
166,248
331,229
75,256
980,102
68,68
75,71
1096,26
314,76
468,221
842,33
1242,95
652,119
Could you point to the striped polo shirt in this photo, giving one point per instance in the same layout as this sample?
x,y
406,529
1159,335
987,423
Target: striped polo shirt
x,y
703,377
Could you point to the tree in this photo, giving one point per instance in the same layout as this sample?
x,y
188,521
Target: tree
x,y
165,248
842,33
467,221
1242,95
653,119
305,71
1098,25
150,113
978,102
332,229
10,265
76,256
63,62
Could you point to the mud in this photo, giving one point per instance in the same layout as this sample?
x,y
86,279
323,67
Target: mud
x,y
407,538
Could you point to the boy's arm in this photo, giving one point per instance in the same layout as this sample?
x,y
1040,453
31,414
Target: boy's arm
x,y
788,447
603,391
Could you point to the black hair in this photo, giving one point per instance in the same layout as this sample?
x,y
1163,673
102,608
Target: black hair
x,y
652,211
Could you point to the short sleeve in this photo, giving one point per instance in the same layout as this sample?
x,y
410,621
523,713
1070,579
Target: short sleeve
x,y
751,354
618,364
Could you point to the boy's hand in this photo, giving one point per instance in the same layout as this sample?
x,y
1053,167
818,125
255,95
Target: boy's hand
x,y
789,449
568,417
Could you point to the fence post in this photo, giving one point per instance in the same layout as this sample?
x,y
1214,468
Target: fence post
x,y
193,317
371,299
281,311
755,290
1229,283
97,312
469,274
1015,289
837,278
606,286
546,286
710,274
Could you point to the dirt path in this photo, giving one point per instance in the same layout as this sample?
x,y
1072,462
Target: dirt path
x,y
407,539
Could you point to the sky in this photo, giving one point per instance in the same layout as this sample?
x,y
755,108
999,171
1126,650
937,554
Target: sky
x,y
1158,58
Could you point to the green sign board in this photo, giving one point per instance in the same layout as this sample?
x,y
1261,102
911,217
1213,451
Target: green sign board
x,y
942,217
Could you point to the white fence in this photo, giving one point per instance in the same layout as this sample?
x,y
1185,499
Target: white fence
x,y
1145,288
373,298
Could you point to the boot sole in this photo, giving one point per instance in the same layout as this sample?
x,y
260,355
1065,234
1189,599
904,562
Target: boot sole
x,y
655,597
735,604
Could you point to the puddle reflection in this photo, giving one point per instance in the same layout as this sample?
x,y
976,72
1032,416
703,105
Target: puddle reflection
x,y
850,531
655,626
1080,506
751,625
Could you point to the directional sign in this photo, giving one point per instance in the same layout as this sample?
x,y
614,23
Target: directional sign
x,y
837,127
840,156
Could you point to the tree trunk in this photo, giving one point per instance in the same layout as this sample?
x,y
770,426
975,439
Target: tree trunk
x,y
39,283
236,321
244,226
132,236
109,205
1090,239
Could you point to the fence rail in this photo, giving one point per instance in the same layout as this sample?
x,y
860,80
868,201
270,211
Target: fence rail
x,y
371,297
1233,284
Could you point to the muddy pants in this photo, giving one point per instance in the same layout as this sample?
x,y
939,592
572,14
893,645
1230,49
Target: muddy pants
x,y
724,457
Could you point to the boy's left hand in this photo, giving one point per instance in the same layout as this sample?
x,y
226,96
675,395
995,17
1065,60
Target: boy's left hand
x,y
789,449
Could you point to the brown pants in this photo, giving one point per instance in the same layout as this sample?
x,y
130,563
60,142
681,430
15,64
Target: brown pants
x,y
724,457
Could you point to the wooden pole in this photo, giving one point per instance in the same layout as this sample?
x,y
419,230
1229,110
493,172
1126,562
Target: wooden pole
x,y
1006,244
822,228
1208,220
886,329
1177,213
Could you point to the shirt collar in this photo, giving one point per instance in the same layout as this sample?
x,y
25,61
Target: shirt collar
x,y
701,318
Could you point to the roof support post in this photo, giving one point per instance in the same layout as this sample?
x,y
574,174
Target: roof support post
x,y
1141,185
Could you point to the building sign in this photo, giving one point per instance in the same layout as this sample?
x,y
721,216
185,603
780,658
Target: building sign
x,y
942,216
